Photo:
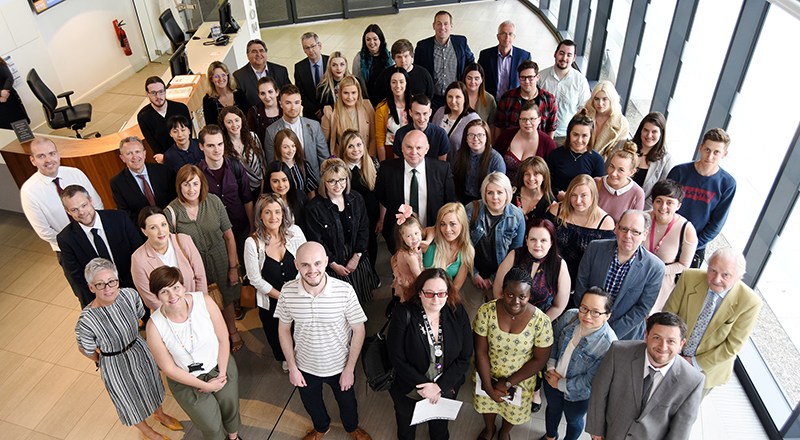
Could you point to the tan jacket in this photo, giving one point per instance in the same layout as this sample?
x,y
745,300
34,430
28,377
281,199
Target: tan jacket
x,y
366,127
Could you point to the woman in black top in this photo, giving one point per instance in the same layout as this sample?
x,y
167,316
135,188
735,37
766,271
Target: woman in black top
x,y
11,108
223,92
431,339
370,61
533,194
337,219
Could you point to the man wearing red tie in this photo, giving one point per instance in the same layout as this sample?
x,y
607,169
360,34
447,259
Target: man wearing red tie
x,y
140,184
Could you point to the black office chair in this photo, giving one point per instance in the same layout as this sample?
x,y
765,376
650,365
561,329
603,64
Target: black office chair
x,y
172,29
74,117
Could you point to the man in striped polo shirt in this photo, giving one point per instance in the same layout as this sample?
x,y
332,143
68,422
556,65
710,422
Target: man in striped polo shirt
x,y
328,334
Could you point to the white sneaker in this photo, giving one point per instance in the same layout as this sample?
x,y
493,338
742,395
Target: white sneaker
x,y
285,366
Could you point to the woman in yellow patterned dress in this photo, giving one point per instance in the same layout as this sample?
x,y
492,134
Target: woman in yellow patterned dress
x,y
509,352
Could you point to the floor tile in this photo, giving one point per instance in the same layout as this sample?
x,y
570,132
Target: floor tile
x,y
34,407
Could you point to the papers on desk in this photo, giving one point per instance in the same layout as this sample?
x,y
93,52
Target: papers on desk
x,y
445,409
182,80
179,92
514,393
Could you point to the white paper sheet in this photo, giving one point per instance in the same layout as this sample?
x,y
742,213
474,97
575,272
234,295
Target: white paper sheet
x,y
517,400
179,92
184,79
446,409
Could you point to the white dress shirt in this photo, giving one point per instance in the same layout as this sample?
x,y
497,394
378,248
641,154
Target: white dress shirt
x,y
661,372
140,182
423,190
98,224
571,92
42,205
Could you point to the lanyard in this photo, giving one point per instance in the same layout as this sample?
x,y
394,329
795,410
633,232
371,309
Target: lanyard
x,y
658,246
191,333
437,343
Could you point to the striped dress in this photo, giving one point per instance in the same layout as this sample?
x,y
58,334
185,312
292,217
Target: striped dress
x,y
131,378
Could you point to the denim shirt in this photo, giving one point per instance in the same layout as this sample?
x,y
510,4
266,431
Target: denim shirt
x,y
509,234
585,358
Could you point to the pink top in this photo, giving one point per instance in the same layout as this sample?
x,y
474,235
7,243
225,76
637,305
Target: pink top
x,y
403,276
630,197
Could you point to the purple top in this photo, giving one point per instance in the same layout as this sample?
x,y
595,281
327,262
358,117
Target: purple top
x,y
234,193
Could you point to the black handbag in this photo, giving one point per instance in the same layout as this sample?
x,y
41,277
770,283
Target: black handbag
x,y
375,358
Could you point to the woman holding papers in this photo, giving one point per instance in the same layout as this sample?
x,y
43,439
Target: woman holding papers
x,y
431,344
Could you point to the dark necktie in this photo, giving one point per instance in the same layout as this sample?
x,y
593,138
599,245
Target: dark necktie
x,y
148,192
647,385
413,195
316,75
102,250
58,186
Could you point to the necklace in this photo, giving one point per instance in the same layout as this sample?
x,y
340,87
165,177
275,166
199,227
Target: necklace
x,y
574,157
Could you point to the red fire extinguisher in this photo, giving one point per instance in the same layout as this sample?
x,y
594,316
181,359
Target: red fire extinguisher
x,y
122,37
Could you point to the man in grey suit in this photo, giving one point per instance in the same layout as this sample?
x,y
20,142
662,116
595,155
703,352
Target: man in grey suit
x,y
315,148
258,67
641,392
625,269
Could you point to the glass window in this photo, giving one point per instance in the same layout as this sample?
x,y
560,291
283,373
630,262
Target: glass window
x,y
617,27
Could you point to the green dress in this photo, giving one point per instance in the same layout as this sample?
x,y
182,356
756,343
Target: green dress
x,y
508,352
427,262
206,232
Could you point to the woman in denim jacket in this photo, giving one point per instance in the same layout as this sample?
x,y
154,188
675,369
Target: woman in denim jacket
x,y
495,228
582,338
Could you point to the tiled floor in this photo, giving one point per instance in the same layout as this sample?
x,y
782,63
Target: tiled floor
x,y
50,391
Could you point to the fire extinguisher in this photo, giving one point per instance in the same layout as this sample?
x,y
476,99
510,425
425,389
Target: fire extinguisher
x,y
122,37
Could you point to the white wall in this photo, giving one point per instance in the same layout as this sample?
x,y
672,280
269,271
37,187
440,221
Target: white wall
x,y
72,46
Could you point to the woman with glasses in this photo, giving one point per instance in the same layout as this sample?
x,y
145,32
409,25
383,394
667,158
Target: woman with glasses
x,y
269,259
454,116
610,125
337,219
223,92
430,364
475,160
516,144
509,352
188,339
582,337
478,98
576,156
108,333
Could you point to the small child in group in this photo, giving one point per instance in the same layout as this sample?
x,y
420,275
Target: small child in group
x,y
407,261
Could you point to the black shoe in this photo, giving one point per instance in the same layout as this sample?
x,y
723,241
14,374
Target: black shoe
x,y
535,407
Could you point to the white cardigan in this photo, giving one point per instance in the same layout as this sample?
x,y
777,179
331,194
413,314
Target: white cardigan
x,y
254,257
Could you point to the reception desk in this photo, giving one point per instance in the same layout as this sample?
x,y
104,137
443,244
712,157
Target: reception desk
x,y
99,158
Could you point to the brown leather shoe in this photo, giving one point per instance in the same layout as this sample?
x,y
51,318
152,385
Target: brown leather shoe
x,y
314,435
359,434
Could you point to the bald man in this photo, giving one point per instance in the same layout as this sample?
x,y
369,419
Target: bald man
x,y
423,183
328,334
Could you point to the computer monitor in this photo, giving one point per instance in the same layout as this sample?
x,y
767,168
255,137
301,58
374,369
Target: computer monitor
x,y
179,62
227,23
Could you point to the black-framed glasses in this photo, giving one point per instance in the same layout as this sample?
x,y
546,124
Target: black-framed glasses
x,y
633,232
333,182
593,313
110,283
432,294
473,136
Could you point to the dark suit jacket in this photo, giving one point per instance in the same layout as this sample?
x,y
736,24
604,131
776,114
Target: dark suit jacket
x,y
638,292
131,199
76,250
389,191
304,80
616,399
410,355
488,60
246,80
423,54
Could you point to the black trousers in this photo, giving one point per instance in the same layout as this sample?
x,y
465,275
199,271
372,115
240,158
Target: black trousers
x,y
404,410
270,324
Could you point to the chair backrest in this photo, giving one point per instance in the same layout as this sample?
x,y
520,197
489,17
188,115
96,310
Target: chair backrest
x,y
42,93
172,28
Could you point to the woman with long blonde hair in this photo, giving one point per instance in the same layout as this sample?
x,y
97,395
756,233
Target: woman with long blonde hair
x,y
223,92
449,246
350,111
578,221
610,125
328,87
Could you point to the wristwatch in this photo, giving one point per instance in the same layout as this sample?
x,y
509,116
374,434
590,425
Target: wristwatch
x,y
508,384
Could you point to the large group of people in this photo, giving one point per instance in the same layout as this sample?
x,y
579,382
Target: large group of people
x,y
523,183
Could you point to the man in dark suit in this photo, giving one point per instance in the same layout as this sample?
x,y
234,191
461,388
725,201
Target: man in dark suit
x,y
455,45
631,274
140,184
397,179
258,67
109,234
308,73
500,62
641,391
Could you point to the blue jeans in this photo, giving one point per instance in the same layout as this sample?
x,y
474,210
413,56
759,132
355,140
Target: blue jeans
x,y
311,395
573,412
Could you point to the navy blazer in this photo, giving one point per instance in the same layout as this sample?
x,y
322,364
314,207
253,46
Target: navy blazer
x,y
304,80
130,198
423,55
247,81
76,250
390,192
410,355
637,294
488,60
